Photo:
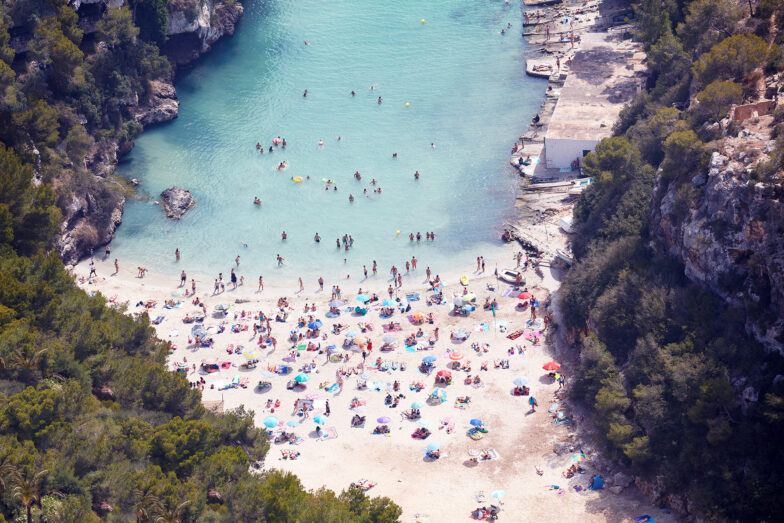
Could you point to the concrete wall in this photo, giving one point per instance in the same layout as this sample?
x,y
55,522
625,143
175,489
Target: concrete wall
x,y
744,112
560,153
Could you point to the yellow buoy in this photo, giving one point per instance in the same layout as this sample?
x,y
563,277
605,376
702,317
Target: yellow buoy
x,y
408,104
397,232
423,20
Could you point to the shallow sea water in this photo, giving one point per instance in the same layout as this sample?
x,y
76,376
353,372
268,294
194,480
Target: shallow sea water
x,y
468,95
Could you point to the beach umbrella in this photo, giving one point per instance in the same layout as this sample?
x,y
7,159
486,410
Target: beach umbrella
x,y
222,307
315,324
423,423
388,339
251,354
429,359
351,334
551,365
292,423
469,297
384,419
466,308
337,303
433,446
389,303
359,340
321,419
578,457
271,422
177,292
198,331
444,374
524,295
520,381
473,452
454,356
476,422
458,301
498,494
362,298
439,394
418,316
302,378
417,405
181,365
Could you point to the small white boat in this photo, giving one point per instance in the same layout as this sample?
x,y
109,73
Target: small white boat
x,y
510,276
564,256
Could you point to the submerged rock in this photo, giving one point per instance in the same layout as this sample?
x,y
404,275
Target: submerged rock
x,y
176,202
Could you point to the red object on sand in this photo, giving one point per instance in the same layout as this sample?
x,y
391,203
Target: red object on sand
x,y
524,295
551,365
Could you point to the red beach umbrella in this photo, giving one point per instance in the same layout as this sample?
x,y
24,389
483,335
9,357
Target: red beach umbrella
x,y
524,295
551,365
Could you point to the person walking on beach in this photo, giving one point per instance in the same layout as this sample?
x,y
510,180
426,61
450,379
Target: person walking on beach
x,y
364,270
375,267
532,403
92,270
116,267
183,278
301,286
261,283
483,263
427,272
321,283
478,263
413,263
233,279
177,254
280,260
237,260
193,286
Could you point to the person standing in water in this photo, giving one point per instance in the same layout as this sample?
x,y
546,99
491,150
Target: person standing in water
x,y
305,94
317,238
177,254
284,235
261,283
301,285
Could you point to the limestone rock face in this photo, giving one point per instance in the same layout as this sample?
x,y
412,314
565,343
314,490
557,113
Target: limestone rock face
x,y
162,107
194,25
176,202
725,226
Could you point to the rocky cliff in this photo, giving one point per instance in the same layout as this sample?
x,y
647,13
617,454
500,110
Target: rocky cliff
x,y
726,226
91,218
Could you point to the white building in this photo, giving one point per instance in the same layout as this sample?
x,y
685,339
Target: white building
x,y
605,73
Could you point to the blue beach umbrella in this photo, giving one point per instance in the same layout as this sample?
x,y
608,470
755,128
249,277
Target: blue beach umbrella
x,y
520,381
293,423
268,374
362,298
271,422
388,303
314,324
351,334
429,359
320,419
337,303
384,419
302,378
433,446
498,494
476,422
417,405
198,331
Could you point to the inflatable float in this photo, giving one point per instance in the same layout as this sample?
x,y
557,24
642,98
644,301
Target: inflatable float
x,y
282,166
296,179
464,280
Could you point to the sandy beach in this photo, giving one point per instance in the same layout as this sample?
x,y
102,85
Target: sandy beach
x,y
446,489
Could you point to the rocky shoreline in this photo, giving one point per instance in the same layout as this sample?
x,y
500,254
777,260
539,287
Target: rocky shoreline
x,y
91,218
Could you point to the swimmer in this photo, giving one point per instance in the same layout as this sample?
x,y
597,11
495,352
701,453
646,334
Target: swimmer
x,y
353,93
258,146
373,87
432,145
379,100
394,155
351,198
281,166
321,143
284,235
357,175
270,149
338,138
256,200
283,144
307,43
416,175
305,94
373,181
503,31
317,238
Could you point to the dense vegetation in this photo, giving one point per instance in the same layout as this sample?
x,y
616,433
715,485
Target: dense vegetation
x,y
90,421
664,363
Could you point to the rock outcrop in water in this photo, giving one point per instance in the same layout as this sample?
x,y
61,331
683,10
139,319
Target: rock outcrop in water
x,y
193,26
727,228
176,202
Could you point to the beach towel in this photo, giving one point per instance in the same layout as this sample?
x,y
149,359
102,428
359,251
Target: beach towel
x,y
158,320
515,335
332,388
506,293
414,296
395,328
329,433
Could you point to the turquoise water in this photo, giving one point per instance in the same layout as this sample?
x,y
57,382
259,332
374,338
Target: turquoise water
x,y
468,95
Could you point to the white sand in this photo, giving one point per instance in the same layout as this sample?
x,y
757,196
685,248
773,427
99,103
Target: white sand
x,y
443,490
